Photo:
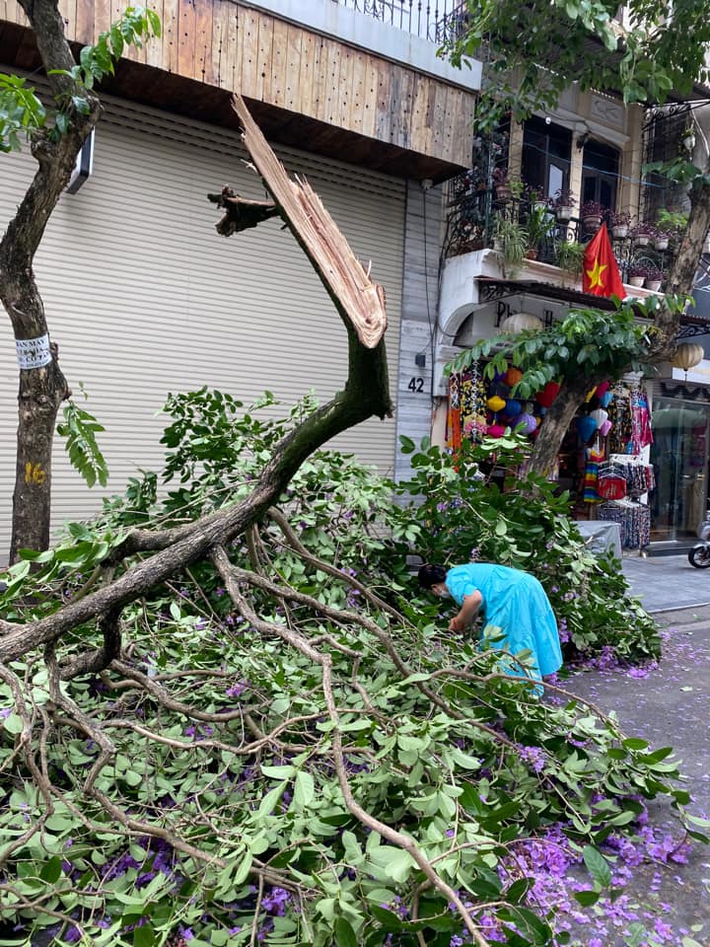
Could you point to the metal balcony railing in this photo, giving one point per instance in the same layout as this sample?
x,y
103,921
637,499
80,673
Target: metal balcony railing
x,y
471,224
435,20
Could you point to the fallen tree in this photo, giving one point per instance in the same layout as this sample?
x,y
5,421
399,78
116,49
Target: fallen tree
x,y
214,731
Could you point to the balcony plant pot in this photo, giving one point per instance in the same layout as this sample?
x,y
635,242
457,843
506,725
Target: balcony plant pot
x,y
620,231
531,254
592,223
636,280
653,284
563,213
642,240
661,243
504,192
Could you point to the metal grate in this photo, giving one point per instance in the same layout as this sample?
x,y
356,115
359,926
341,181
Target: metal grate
x,y
434,20
663,134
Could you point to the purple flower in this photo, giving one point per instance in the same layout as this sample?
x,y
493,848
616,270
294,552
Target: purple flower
x,y
236,689
534,756
186,932
276,900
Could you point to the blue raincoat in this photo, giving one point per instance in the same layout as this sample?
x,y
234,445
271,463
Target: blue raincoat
x,y
515,602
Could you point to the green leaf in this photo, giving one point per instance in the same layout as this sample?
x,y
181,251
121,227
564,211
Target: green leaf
x,y
144,936
304,789
586,898
634,743
597,866
344,934
80,429
51,872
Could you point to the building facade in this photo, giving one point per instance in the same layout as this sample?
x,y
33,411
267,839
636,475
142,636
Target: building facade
x,y
144,298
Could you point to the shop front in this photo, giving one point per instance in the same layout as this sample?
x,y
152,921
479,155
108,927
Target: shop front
x,y
679,454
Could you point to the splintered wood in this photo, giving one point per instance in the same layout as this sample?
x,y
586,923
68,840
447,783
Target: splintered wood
x,y
359,300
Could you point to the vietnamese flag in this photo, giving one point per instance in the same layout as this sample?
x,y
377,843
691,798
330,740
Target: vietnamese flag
x,y
600,275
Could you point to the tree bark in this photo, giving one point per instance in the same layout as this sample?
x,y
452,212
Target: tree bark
x,y
41,388
557,421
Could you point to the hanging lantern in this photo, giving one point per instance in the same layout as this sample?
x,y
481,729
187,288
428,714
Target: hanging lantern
x,y
495,430
589,394
513,408
513,376
606,399
586,426
605,428
600,416
521,322
495,404
603,388
688,355
526,422
548,394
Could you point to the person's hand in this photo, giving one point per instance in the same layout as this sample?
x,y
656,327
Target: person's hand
x,y
456,624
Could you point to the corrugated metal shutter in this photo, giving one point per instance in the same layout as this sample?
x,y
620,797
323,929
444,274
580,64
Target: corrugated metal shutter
x,y
144,298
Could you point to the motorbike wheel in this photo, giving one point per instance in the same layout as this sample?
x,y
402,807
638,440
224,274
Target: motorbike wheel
x,y
699,556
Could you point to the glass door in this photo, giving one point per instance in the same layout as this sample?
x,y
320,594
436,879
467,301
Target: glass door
x,y
679,455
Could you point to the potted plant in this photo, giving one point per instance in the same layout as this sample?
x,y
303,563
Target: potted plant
x,y
511,240
537,200
671,220
620,223
654,278
538,227
569,256
637,274
562,204
661,239
591,213
642,232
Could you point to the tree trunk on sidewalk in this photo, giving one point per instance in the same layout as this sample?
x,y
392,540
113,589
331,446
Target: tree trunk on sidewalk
x,y
42,386
557,421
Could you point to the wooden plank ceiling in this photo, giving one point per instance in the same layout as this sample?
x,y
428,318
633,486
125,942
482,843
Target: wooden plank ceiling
x,y
305,89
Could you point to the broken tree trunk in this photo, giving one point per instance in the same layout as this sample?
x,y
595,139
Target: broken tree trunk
x,y
360,303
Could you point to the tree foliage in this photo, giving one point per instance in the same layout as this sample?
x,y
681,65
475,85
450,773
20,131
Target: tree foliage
x,y
286,746
534,51
22,113
586,342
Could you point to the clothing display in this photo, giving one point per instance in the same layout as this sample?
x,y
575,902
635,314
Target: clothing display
x,y
591,475
515,602
631,420
634,519
602,460
623,476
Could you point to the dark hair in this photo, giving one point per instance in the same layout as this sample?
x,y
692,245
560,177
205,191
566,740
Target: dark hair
x,y
431,575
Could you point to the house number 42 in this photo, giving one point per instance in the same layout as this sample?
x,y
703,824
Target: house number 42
x,y
416,385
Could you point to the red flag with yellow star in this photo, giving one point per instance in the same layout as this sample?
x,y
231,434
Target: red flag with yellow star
x,y
600,275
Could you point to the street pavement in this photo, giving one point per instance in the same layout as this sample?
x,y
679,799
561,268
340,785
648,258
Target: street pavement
x,y
668,706
666,583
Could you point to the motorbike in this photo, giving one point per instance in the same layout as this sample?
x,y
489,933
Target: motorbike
x,y
699,555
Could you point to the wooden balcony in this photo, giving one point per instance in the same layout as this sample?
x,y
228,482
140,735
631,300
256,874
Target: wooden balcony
x,y
307,89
